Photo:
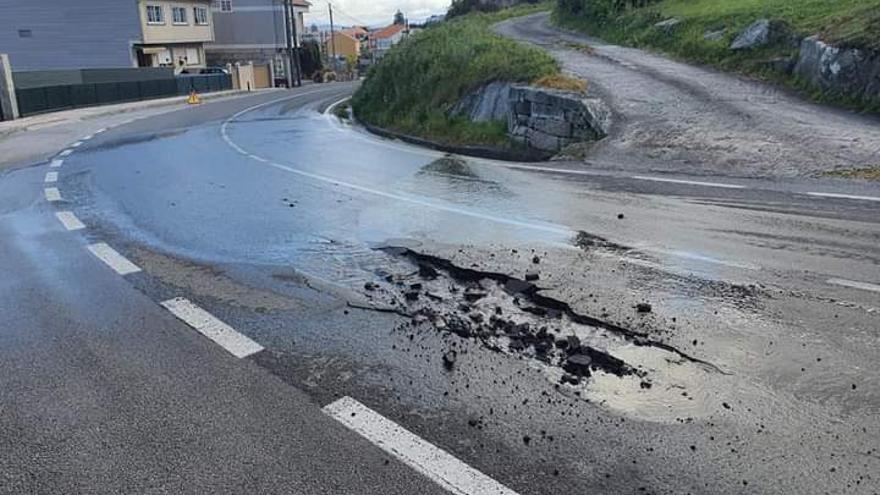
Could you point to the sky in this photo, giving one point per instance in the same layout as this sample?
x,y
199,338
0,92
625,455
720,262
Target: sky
x,y
373,12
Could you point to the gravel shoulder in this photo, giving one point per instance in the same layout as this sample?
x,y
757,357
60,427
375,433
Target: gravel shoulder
x,y
674,117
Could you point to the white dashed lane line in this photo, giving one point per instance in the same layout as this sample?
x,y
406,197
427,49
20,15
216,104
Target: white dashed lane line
x,y
76,144
689,182
69,220
52,194
113,259
206,324
855,285
65,153
844,196
51,177
56,163
433,462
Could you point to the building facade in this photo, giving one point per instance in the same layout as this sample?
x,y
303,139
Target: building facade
x,y
253,31
60,34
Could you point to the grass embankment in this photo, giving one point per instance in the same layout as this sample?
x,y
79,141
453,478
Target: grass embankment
x,y
849,23
414,86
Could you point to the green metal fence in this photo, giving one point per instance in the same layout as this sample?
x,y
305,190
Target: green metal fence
x,y
52,98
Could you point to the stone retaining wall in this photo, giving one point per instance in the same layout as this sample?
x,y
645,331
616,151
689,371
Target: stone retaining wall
x,y
543,119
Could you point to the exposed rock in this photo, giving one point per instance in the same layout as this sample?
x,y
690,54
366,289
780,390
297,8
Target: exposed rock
x,y
843,71
490,102
760,33
715,35
668,26
532,276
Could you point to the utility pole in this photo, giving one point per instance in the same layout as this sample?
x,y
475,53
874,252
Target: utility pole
x,y
332,38
296,51
287,33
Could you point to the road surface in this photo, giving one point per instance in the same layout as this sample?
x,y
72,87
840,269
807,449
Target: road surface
x,y
253,296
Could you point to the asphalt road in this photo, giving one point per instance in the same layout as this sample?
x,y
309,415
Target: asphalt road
x,y
392,275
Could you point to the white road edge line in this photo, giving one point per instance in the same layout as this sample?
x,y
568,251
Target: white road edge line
x,y
854,285
56,163
69,220
76,144
51,177
114,260
433,462
65,153
99,131
551,228
52,194
206,324
689,182
844,196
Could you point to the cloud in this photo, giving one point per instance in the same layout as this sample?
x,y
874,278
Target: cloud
x,y
373,12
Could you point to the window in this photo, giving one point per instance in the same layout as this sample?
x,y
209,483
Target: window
x,y
155,14
225,5
179,15
200,14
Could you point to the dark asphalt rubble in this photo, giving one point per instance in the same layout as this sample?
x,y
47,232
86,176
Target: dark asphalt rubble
x,y
505,314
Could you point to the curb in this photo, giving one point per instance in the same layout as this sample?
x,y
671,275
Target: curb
x,y
526,155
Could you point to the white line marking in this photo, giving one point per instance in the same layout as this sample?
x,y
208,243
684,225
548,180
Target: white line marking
x,y
552,228
689,182
113,259
206,324
844,196
76,144
69,220
52,194
51,177
56,163
90,136
855,285
433,462
65,153
99,131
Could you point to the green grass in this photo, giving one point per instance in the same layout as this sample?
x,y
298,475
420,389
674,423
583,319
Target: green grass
x,y
867,173
849,23
413,87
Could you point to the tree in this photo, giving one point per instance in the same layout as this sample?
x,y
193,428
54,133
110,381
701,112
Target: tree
x,y
310,57
399,18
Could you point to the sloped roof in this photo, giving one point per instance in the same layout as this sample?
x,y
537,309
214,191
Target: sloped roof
x,y
388,32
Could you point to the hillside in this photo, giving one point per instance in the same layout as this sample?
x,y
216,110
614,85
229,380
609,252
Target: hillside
x,y
702,31
413,87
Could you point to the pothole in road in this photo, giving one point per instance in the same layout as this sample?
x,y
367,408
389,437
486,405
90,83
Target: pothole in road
x,y
586,356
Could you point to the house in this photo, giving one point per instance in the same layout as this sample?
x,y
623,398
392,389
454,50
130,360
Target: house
x,y
60,34
383,39
253,30
343,44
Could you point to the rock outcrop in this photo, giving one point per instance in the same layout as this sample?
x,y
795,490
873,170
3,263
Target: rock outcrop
x,y
760,33
491,102
840,71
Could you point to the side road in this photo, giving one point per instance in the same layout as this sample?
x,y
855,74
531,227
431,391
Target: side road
x,y
35,139
671,116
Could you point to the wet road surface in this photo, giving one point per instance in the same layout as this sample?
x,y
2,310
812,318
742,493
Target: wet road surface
x,y
560,329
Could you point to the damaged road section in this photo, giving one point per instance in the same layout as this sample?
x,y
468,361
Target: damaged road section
x,y
510,315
